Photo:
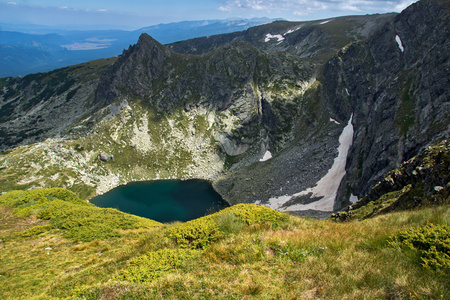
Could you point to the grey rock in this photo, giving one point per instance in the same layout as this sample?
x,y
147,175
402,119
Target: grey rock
x,y
103,156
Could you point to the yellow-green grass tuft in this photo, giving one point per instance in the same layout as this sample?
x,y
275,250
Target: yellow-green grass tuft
x,y
201,232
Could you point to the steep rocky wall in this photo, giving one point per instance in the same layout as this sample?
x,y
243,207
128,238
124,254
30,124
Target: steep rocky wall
x,y
397,85
252,89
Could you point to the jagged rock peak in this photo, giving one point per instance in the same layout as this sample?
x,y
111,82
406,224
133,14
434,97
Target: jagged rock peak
x,y
145,38
147,48
135,68
147,42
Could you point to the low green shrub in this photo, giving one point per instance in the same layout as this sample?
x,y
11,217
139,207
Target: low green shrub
x,y
252,214
12,198
201,232
77,218
36,230
431,242
197,233
88,223
229,223
152,265
20,198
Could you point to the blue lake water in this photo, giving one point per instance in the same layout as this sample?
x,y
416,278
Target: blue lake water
x,y
164,200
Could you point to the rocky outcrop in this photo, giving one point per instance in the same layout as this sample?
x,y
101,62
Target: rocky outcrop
x,y
135,70
430,170
103,156
422,180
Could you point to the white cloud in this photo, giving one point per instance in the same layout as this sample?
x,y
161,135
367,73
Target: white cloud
x,y
308,7
350,7
102,10
11,3
300,13
297,7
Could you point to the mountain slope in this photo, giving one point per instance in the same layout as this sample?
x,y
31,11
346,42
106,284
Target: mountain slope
x,y
44,105
398,99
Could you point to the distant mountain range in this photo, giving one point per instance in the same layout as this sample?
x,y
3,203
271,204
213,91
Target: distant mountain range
x,y
25,50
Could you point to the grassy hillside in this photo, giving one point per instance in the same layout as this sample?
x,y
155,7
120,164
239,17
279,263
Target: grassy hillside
x,y
56,246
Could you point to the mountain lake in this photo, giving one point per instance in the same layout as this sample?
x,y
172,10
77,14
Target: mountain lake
x,y
164,200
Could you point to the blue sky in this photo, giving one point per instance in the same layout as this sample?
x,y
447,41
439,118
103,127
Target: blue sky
x,y
133,14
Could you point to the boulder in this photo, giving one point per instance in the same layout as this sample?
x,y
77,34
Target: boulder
x,y
105,156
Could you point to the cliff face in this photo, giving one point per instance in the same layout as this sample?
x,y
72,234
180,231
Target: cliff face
x,y
250,86
290,115
396,84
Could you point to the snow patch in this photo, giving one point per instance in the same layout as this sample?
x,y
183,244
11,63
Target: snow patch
x,y
325,22
279,37
353,198
266,156
333,120
399,42
291,30
326,187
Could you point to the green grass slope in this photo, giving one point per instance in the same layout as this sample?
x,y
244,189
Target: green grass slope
x,y
242,252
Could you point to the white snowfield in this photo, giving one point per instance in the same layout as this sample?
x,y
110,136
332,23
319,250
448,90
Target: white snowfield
x,y
292,30
399,42
327,187
266,156
279,37
334,121
288,32
325,22
353,198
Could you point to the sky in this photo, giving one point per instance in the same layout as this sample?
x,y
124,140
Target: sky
x,y
134,14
